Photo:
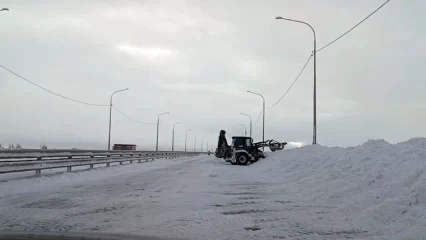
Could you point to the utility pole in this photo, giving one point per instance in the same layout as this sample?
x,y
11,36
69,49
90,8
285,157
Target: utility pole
x,y
195,142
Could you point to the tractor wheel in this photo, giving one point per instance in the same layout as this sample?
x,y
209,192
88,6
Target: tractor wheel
x,y
242,159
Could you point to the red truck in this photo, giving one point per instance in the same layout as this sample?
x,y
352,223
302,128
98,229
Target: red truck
x,y
130,147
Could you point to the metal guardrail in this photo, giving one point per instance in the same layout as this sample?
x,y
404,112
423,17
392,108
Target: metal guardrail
x,y
24,160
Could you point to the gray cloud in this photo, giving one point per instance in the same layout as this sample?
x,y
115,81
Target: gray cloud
x,y
196,59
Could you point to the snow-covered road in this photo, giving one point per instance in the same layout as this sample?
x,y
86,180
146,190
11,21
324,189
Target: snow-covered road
x,y
374,191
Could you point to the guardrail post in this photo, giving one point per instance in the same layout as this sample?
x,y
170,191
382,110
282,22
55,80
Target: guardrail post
x,y
69,157
107,164
139,161
91,166
131,161
69,169
38,172
121,163
38,158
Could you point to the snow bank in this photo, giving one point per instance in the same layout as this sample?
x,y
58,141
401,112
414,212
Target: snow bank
x,y
376,185
56,182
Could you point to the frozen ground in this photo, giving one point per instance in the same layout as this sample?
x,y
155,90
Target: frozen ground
x,y
373,191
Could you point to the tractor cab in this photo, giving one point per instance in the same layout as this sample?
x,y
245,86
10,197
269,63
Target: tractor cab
x,y
242,143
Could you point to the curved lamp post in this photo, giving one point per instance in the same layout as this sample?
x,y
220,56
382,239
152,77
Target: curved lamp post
x,y
110,113
245,129
250,122
263,131
314,140
173,135
186,137
158,128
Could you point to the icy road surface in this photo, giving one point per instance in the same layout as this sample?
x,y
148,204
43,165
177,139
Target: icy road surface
x,y
374,191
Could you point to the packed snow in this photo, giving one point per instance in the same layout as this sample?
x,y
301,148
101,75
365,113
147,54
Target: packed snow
x,y
373,191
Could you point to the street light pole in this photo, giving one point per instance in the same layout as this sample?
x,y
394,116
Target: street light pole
x,y
314,140
195,142
158,128
186,137
245,129
110,114
202,145
173,136
263,131
250,122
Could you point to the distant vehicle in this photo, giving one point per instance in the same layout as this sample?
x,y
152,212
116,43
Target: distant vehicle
x,y
130,147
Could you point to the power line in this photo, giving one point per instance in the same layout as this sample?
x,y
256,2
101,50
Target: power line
x,y
49,91
327,45
130,117
363,20
295,80
258,118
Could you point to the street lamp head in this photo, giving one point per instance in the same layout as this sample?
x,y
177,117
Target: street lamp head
x,y
256,94
281,18
121,90
163,113
4,9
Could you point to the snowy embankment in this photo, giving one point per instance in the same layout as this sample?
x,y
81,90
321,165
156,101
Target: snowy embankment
x,y
376,186
374,191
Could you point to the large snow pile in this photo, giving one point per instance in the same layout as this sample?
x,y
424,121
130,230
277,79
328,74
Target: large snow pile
x,y
376,185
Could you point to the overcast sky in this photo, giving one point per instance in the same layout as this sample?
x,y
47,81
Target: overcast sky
x,y
197,59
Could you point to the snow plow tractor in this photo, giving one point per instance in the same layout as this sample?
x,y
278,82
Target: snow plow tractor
x,y
242,151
